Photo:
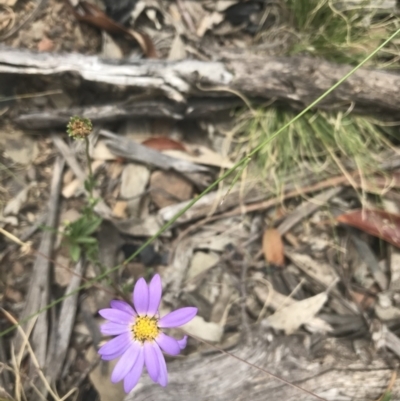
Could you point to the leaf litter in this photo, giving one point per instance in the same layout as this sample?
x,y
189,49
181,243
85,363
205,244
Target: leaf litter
x,y
208,257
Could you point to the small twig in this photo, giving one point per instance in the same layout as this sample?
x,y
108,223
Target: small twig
x,y
31,353
31,95
18,385
17,373
18,360
70,392
243,295
25,246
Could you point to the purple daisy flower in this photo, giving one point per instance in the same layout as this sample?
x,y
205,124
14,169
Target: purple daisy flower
x,y
139,340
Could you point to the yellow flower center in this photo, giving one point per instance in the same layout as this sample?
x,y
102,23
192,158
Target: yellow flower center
x,y
145,328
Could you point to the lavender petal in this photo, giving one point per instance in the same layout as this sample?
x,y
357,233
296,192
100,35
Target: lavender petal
x,y
163,374
116,316
126,362
151,360
116,346
177,318
111,357
113,329
141,297
182,342
155,292
132,378
123,306
168,344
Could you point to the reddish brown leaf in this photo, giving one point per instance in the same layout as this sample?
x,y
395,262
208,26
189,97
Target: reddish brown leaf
x,y
45,45
163,143
273,247
378,223
363,300
92,15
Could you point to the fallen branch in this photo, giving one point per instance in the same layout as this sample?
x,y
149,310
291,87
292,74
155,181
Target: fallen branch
x,y
61,340
293,80
331,370
159,108
131,150
250,199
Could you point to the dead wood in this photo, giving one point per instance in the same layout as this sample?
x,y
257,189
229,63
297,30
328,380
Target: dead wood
x,y
293,80
38,295
330,368
158,108
134,151
249,198
55,358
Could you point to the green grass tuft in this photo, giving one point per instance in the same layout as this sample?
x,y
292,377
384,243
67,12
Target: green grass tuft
x,y
325,28
319,143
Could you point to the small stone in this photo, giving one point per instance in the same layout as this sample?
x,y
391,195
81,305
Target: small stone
x,y
134,180
168,188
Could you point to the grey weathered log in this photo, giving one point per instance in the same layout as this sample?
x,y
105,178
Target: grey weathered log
x,y
294,80
329,369
158,107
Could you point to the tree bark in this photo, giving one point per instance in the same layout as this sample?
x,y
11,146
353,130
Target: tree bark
x,y
174,86
329,368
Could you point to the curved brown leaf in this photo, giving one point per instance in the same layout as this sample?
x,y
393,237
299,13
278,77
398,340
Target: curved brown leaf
x,y
163,143
378,223
92,15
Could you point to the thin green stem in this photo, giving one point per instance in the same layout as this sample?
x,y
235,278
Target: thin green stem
x,y
207,190
91,178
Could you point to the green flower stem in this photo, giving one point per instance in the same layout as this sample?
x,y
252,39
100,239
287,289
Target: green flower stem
x,y
206,191
89,164
91,177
